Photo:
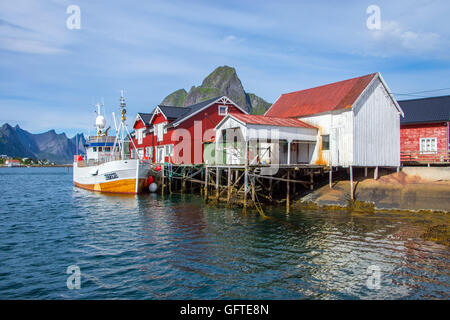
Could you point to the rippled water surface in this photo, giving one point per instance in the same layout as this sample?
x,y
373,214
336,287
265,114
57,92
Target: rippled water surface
x,y
144,247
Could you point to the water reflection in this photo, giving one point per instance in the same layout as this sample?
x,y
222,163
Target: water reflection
x,y
146,247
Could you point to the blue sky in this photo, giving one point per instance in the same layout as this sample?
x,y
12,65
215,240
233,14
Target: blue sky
x,y
50,76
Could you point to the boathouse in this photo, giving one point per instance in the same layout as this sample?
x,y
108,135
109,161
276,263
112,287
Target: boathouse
x,y
424,131
178,135
357,121
268,140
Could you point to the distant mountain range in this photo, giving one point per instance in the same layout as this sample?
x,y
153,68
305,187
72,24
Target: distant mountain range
x,y
222,81
16,142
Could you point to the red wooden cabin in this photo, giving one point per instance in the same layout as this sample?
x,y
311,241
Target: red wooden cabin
x,y
178,134
424,131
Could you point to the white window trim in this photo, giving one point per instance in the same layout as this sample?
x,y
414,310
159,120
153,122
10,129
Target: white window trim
x,y
222,106
140,135
428,151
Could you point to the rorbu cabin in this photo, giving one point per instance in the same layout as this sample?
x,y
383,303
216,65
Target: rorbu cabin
x,y
425,131
357,121
179,135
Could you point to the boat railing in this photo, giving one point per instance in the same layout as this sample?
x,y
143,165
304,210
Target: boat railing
x,y
82,161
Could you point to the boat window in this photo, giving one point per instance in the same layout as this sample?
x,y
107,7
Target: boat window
x,y
94,149
100,149
107,149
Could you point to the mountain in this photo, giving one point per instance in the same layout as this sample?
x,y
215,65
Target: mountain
x,y
222,81
16,142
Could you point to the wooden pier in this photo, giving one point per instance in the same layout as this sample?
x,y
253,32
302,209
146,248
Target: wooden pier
x,y
246,185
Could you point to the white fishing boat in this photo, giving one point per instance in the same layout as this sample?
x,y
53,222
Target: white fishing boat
x,y
108,165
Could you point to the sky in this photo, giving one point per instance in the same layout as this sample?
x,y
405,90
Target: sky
x,y
51,76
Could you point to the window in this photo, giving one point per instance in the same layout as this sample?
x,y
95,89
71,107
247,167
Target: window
x,y
107,149
140,134
428,144
94,149
159,129
326,142
100,149
223,110
149,152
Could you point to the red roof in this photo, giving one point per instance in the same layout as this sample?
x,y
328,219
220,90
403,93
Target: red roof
x,y
271,121
334,96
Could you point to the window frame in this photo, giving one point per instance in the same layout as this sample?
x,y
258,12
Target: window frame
x,y
426,151
222,106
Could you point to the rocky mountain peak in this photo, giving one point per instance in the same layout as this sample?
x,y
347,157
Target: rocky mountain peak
x,y
222,81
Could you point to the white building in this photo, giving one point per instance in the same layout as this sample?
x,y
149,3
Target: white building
x,y
355,122
358,121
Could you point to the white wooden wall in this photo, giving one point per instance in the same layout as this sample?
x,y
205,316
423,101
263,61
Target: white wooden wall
x,y
376,128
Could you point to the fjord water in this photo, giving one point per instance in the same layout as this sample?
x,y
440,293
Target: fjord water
x,y
144,247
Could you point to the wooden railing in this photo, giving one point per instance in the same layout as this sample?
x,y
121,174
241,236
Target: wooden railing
x,y
440,156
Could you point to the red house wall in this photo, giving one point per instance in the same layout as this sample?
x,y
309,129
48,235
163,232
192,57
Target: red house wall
x,y
411,134
208,118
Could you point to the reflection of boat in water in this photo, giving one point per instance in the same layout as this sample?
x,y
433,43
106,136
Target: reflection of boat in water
x,y
108,166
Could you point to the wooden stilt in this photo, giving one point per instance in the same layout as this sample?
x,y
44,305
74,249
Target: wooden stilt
x,y
365,172
229,185
246,176
351,182
206,183
162,180
311,179
183,182
375,173
217,182
288,191
331,177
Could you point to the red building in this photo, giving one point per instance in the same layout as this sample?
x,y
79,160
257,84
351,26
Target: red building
x,y
424,131
179,134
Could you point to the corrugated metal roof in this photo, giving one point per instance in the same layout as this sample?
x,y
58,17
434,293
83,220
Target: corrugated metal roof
x,y
270,121
334,96
426,110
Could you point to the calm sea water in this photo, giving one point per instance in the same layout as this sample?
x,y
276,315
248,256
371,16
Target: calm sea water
x,y
144,247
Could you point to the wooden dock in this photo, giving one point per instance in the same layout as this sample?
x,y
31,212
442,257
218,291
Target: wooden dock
x,y
246,185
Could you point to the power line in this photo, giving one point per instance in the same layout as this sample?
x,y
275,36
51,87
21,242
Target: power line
x,y
418,92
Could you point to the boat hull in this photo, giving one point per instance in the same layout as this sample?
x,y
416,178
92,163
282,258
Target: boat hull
x,y
121,176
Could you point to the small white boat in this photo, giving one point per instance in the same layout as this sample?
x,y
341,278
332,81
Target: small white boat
x,y
108,166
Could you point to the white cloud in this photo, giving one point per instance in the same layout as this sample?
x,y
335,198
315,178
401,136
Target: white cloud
x,y
393,38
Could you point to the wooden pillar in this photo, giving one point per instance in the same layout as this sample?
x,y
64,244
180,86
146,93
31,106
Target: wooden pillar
x,y
398,169
201,187
162,180
365,172
289,153
217,182
183,182
246,176
375,173
229,185
253,188
288,191
311,179
206,183
331,177
351,182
